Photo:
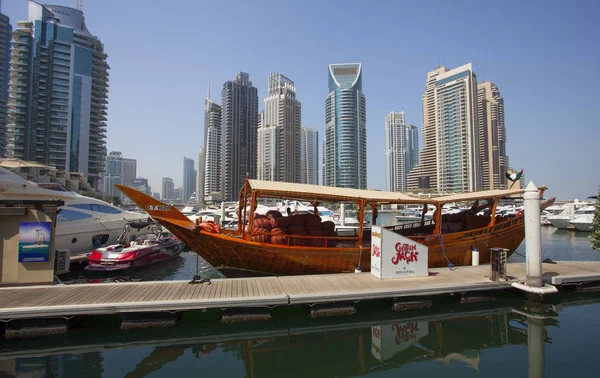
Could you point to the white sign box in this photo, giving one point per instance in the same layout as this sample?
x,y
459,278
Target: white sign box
x,y
396,256
390,339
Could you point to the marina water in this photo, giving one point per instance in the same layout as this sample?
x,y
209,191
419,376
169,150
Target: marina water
x,y
488,339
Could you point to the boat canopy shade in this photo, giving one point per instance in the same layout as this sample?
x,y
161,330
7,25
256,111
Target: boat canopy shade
x,y
483,194
327,193
289,190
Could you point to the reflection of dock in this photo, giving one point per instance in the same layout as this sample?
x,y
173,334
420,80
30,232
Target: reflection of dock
x,y
454,333
140,297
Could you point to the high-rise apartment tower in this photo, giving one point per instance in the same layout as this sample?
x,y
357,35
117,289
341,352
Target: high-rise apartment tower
x,y
58,91
238,134
345,128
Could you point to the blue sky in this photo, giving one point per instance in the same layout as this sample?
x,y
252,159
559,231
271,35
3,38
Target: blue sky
x,y
543,55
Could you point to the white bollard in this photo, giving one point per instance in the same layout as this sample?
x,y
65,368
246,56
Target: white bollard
x,y
222,213
342,214
475,257
533,236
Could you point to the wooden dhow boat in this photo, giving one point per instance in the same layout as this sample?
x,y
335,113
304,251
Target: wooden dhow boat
x,y
301,244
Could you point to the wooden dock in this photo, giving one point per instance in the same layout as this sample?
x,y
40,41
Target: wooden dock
x,y
140,297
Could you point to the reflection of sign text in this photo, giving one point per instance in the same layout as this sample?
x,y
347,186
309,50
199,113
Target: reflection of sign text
x,y
405,252
405,333
376,333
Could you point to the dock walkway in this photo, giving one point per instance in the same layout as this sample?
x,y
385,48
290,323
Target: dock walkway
x,y
156,296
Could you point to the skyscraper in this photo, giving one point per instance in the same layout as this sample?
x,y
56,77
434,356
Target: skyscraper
x,y
59,91
281,122
345,128
401,151
212,149
168,189
238,134
200,177
189,179
449,161
141,184
266,150
492,137
119,170
5,33
310,156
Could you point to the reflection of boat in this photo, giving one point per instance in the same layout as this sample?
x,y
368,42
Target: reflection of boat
x,y
83,223
304,245
338,347
135,251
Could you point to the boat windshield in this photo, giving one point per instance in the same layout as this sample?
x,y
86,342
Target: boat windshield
x,y
54,186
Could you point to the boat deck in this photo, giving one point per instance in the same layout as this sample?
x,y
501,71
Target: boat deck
x,y
114,298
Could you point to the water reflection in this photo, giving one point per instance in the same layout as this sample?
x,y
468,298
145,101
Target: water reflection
x,y
373,341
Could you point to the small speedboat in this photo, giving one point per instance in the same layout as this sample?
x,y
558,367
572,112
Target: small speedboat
x,y
135,252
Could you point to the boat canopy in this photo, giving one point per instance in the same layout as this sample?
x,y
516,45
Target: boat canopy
x,y
326,193
482,194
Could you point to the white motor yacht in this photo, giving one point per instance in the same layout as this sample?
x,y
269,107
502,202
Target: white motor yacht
x,y
82,223
564,218
583,218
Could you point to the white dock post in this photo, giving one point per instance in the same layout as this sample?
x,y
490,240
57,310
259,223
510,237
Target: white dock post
x,y
342,214
222,213
533,236
535,347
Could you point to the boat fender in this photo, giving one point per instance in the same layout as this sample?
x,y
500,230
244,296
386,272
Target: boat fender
x,y
519,213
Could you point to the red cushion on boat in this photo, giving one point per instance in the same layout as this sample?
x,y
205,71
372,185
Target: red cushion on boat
x,y
312,220
263,236
328,228
261,221
283,240
274,213
280,223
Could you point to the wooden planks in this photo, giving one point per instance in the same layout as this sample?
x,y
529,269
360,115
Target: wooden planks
x,y
64,300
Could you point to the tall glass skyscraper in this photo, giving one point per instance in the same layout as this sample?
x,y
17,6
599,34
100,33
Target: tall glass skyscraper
x,y
58,91
310,156
238,134
345,128
401,151
189,179
5,33
211,182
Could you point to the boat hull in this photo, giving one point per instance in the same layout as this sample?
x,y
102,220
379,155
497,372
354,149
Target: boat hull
x,y
582,226
561,223
236,257
107,260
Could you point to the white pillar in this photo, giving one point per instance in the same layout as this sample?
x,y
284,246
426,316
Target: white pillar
x,y
533,236
222,213
342,214
535,347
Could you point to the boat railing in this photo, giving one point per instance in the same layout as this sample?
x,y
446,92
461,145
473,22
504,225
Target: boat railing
x,y
408,226
317,240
